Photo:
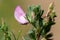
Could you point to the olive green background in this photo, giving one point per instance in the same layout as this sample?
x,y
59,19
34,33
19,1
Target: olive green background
x,y
7,8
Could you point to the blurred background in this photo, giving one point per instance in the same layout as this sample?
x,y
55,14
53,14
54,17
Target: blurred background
x,y
7,8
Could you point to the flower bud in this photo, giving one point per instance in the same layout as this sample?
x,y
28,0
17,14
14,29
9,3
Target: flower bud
x,y
51,6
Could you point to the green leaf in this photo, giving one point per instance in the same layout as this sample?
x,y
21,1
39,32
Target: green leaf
x,y
36,9
31,34
2,35
49,35
41,12
48,27
53,14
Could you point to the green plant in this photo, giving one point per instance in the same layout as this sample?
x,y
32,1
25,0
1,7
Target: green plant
x,y
6,34
41,24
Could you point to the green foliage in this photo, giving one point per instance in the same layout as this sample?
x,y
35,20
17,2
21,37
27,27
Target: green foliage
x,y
4,29
42,25
5,34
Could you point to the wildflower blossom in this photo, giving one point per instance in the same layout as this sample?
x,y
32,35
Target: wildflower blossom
x,y
19,15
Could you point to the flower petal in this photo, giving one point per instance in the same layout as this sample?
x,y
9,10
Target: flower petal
x,y
20,15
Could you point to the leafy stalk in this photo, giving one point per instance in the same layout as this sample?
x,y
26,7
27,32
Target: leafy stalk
x,y
41,24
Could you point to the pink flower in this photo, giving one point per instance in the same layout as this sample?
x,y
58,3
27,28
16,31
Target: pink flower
x,y
20,15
